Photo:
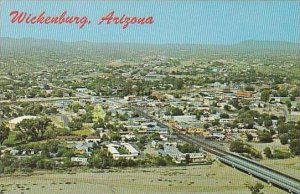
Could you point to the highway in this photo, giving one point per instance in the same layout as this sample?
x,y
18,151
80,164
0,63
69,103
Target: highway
x,y
281,180
269,175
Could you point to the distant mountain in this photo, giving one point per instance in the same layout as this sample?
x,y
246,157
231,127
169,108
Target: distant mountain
x,y
269,45
29,45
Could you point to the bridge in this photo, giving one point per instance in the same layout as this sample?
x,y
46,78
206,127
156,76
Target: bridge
x,y
281,180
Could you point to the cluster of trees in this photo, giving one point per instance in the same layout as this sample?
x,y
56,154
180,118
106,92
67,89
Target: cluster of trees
x,y
277,154
289,133
188,148
50,150
4,132
33,129
102,159
241,147
265,136
75,124
256,188
250,117
174,111
25,108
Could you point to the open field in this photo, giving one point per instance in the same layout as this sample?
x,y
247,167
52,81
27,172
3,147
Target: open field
x,y
273,145
216,178
290,166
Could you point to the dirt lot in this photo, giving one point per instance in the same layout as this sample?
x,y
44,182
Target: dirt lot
x,y
216,178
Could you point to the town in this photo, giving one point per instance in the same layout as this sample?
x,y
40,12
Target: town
x,y
72,110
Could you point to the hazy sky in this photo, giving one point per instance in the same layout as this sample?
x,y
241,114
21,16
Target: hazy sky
x,y
212,22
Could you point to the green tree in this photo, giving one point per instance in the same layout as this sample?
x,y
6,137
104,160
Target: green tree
x,y
227,107
4,132
100,158
284,138
268,152
265,95
249,136
256,189
33,129
295,146
75,124
224,116
265,136
237,146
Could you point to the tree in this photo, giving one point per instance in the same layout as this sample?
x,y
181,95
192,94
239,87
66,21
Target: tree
x,y
268,122
237,146
101,159
249,136
256,189
288,104
265,136
295,146
115,136
224,116
265,95
174,111
249,88
75,124
4,132
268,152
227,107
188,148
33,129
187,158
284,138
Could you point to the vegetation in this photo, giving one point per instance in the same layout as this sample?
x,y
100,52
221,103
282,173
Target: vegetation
x,y
33,129
188,148
240,147
4,132
256,189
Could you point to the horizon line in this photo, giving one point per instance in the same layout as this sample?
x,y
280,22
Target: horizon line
x,y
145,43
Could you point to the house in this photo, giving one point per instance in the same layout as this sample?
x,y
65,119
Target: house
x,y
218,135
243,94
84,147
93,139
197,157
170,149
95,99
80,160
81,90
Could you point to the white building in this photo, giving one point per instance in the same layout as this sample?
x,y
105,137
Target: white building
x,y
80,160
132,153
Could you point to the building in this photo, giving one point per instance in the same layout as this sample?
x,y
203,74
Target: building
x,y
93,139
123,150
241,94
80,160
82,90
294,116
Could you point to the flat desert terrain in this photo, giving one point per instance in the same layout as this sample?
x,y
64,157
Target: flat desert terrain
x,y
212,179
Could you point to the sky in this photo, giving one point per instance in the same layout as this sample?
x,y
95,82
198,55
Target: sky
x,y
184,22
